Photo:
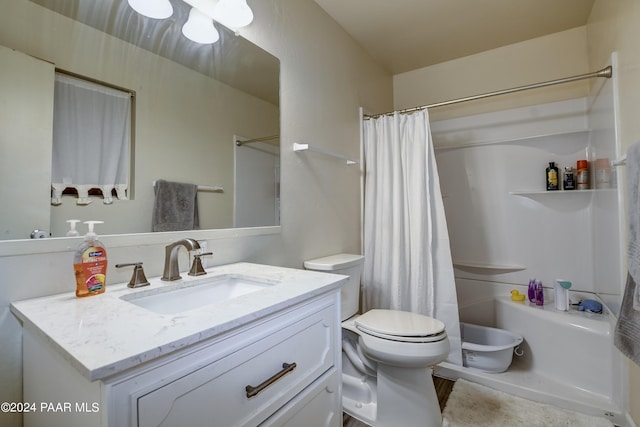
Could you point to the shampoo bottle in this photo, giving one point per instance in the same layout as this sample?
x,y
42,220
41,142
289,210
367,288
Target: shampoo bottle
x,y
531,292
90,264
552,177
539,293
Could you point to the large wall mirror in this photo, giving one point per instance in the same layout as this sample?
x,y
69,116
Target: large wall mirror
x,y
191,103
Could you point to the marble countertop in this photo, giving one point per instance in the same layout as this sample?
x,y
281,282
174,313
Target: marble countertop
x,y
103,335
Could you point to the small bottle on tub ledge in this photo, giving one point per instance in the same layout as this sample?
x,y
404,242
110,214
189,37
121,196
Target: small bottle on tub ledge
x,y
535,292
539,293
532,290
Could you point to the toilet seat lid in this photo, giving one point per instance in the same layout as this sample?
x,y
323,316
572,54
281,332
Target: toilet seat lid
x,y
399,325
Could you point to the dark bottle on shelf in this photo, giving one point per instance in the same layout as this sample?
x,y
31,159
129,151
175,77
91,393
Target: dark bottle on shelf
x,y
552,177
569,181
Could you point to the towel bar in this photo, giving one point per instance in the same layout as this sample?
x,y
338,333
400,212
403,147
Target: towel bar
x,y
214,188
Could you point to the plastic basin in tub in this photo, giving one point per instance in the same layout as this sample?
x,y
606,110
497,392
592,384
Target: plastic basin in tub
x,y
487,349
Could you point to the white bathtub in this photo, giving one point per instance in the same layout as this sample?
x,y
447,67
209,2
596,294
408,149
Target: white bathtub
x,y
569,359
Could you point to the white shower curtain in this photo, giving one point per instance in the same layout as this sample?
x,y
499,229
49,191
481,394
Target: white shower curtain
x,y
91,139
406,243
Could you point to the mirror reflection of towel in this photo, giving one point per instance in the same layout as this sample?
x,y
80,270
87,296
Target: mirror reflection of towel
x,y
175,207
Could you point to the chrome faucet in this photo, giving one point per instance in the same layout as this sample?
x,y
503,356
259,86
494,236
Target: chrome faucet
x,y
171,268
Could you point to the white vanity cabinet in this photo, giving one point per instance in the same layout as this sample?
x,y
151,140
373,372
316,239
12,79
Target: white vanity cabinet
x,y
293,354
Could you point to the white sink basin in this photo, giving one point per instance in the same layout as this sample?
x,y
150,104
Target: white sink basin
x,y
197,293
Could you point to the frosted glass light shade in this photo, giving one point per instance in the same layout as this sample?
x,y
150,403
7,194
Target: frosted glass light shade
x,y
233,13
157,9
199,28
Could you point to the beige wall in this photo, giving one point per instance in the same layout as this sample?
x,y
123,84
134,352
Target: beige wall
x,y
26,85
613,26
325,78
545,58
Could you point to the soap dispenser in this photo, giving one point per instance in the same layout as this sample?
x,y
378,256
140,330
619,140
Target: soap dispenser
x,y
73,232
90,264
562,294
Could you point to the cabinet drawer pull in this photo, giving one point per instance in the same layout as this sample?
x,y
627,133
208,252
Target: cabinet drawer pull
x,y
286,368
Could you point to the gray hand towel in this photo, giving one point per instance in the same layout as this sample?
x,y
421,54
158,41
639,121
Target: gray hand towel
x,y
175,207
627,332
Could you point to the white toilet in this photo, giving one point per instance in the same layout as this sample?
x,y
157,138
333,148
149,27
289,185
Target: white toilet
x,y
387,356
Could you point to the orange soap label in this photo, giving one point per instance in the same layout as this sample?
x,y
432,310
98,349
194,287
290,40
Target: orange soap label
x,y
91,272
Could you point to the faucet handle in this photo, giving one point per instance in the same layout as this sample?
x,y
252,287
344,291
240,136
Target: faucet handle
x,y
138,279
196,267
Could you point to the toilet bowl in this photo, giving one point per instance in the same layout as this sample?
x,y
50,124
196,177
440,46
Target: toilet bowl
x,y
387,356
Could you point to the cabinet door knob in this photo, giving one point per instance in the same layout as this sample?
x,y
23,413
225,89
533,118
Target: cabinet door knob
x,y
286,368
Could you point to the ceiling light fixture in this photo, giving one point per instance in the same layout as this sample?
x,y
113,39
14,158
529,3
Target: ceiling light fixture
x,y
233,14
199,28
156,9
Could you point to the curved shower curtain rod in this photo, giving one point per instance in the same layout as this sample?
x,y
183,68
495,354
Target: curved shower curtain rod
x,y
605,72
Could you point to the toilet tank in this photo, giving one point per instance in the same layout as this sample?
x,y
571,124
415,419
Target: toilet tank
x,y
349,265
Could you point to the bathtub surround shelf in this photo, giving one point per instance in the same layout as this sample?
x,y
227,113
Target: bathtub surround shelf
x,y
490,268
585,318
535,140
143,368
305,147
536,193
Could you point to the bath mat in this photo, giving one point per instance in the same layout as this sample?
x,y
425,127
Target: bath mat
x,y
471,404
